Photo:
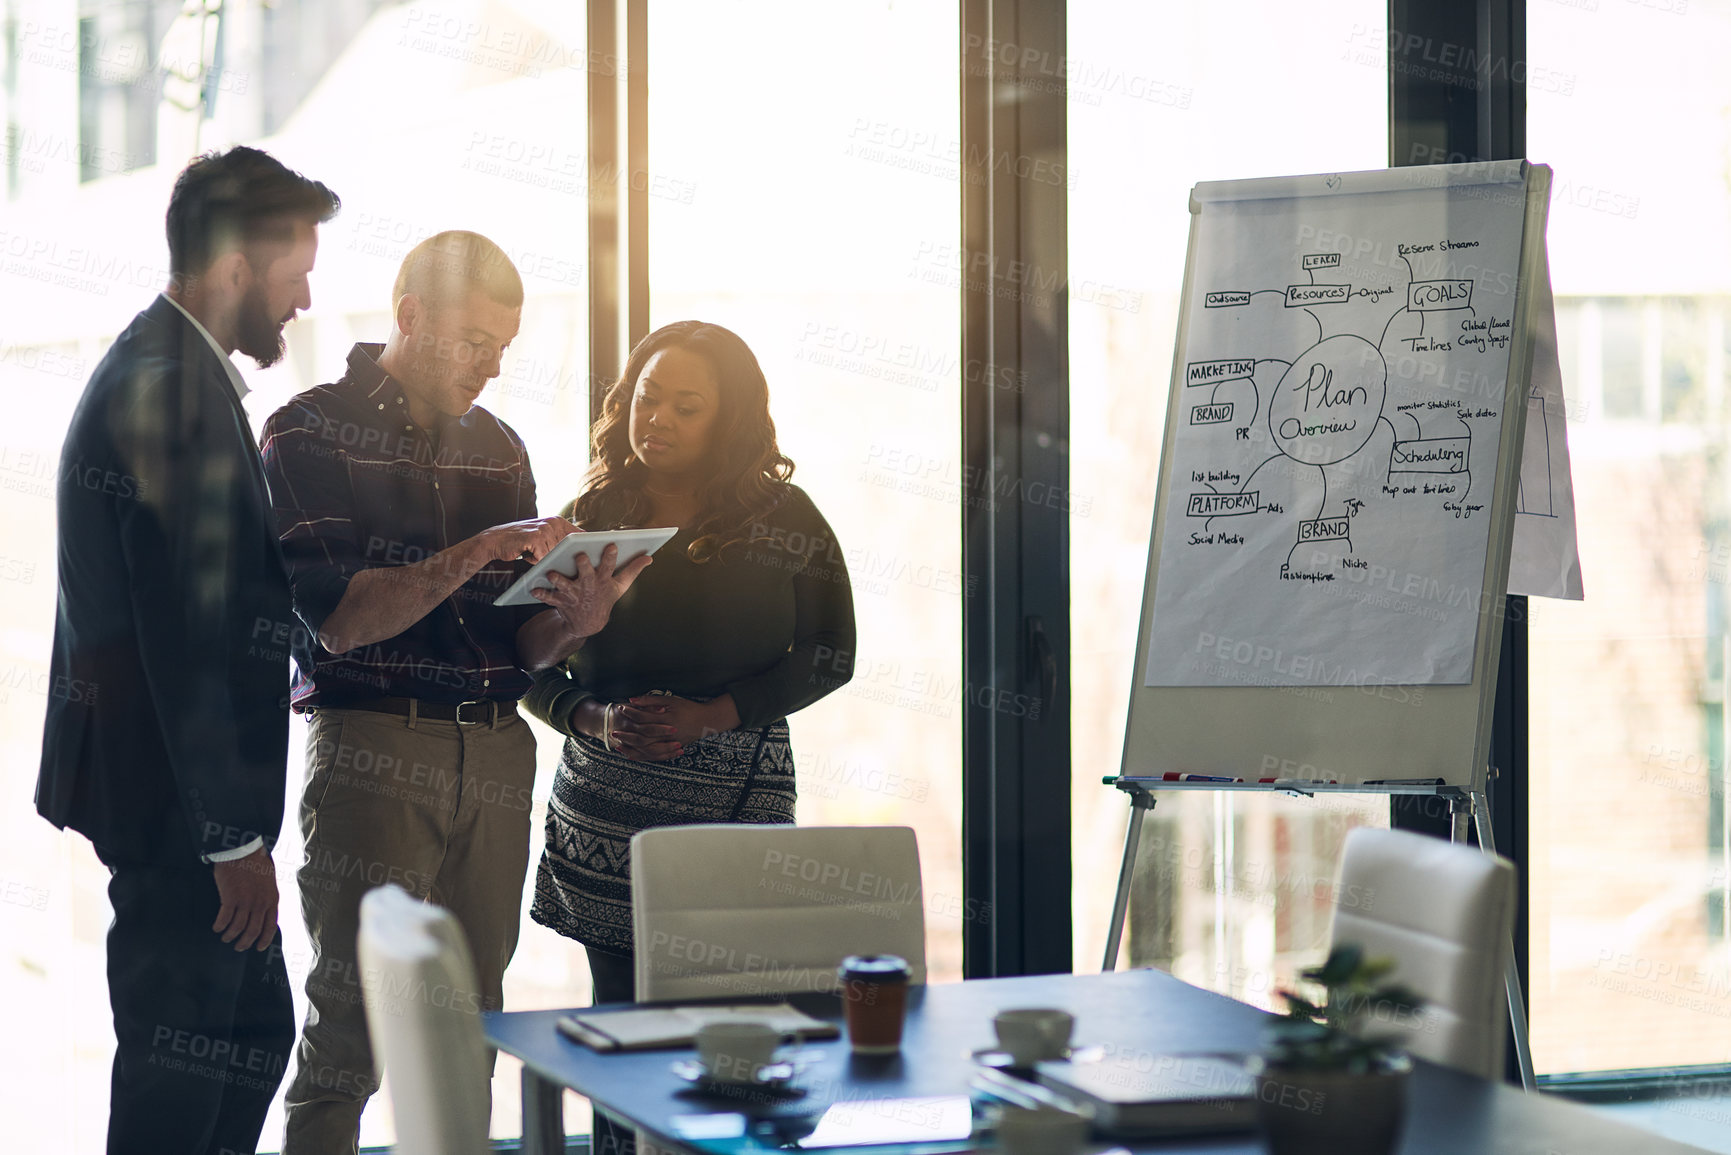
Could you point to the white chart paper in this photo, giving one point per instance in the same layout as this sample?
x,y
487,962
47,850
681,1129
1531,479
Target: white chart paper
x,y
1332,463
1546,560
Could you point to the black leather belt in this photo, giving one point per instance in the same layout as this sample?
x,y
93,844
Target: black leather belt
x,y
480,712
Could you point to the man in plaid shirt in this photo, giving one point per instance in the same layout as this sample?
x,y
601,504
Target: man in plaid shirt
x,y
404,510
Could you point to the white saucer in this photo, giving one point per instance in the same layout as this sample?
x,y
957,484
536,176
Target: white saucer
x,y
776,1077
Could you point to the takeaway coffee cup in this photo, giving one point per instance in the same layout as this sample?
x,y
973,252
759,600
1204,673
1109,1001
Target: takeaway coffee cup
x,y
1031,1034
736,1050
874,992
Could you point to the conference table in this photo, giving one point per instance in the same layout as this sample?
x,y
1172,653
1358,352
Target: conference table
x,y
1130,1012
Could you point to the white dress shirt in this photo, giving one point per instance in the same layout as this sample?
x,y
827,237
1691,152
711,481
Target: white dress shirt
x,y
234,377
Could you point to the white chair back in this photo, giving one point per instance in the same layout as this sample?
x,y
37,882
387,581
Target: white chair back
x,y
424,1017
1444,913
730,910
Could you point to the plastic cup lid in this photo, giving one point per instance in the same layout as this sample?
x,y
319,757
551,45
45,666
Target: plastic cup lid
x,y
883,968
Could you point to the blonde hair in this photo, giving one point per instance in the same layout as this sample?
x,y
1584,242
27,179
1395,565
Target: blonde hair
x,y
442,270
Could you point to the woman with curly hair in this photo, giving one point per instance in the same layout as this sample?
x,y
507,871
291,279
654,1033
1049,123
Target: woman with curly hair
x,y
677,712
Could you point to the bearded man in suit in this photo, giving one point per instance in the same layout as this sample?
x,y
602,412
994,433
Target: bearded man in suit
x,y
166,737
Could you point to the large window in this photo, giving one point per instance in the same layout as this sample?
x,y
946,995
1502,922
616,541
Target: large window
x,y
1162,97
1628,864
816,147
806,198
486,132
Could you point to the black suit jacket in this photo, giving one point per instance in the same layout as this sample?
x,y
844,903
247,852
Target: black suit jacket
x,y
167,730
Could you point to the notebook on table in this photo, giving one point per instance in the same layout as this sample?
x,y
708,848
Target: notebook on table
x,y
1157,1095
647,1028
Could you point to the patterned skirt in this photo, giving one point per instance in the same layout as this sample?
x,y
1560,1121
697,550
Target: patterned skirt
x,y
583,885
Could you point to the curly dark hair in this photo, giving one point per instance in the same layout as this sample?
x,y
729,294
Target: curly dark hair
x,y
748,471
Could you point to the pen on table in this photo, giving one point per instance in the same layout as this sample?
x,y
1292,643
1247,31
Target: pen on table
x,y
1173,776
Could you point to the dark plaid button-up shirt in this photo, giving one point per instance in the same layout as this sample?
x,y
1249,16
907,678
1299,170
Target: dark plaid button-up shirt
x,y
357,484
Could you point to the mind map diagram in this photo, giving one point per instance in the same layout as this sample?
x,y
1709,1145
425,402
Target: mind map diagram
x,y
1334,433
1329,419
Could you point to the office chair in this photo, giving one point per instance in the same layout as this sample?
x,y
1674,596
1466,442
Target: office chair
x,y
1444,913
424,1017
750,910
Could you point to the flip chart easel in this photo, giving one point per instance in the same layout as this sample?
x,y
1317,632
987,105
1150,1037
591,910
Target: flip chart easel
x,y
1337,497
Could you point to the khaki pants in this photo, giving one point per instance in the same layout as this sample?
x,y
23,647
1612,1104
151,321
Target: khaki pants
x,y
438,809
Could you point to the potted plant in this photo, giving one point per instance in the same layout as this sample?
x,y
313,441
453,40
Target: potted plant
x,y
1331,1077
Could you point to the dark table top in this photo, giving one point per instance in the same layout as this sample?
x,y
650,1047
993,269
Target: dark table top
x,y
1132,1013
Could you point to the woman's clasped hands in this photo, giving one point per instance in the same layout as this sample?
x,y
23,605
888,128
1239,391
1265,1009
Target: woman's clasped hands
x,y
656,727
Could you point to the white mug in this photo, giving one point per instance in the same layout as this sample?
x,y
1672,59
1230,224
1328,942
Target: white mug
x,y
1040,1131
1030,1034
736,1050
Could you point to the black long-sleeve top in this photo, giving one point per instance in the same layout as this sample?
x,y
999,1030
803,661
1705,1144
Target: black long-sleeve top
x,y
769,622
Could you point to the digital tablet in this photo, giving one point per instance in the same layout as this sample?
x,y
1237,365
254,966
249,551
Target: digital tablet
x,y
563,558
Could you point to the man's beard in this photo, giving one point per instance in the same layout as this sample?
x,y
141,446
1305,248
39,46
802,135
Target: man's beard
x,y
259,335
